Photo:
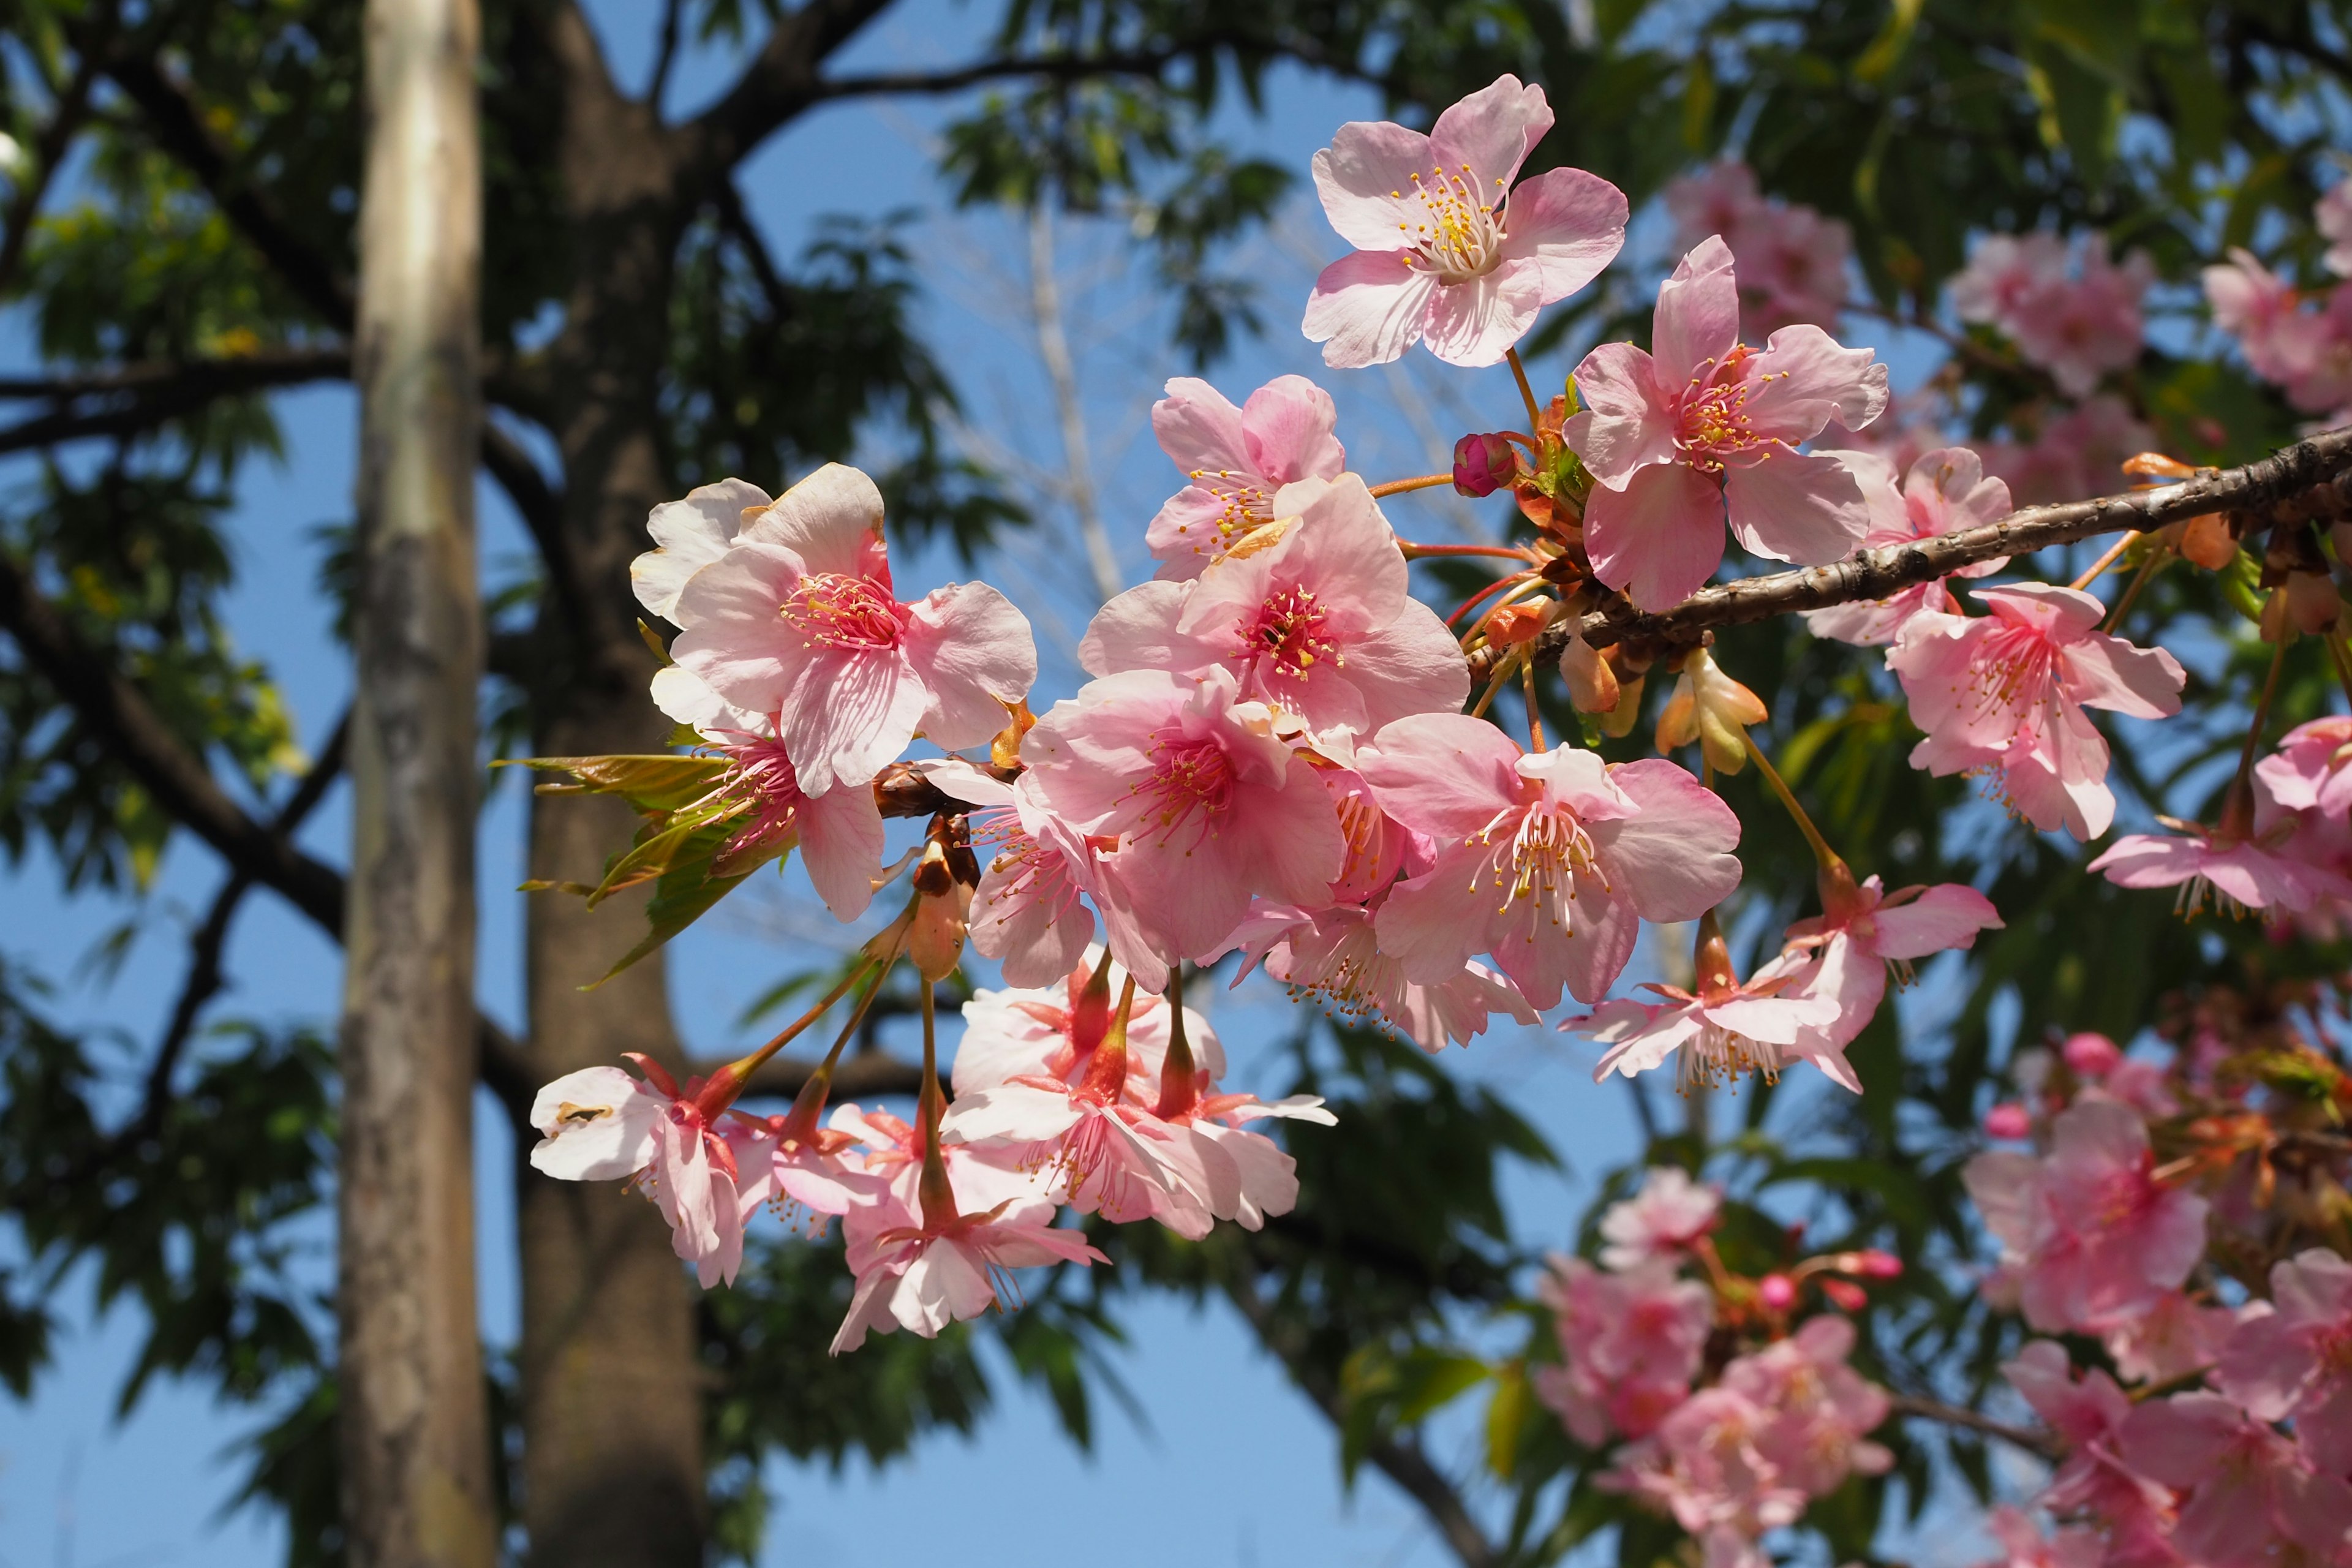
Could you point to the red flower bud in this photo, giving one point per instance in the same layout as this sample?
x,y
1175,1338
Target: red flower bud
x,y
1845,1295
1777,1291
1484,464
2009,1120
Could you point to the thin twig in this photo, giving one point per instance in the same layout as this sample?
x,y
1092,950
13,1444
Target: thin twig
x,y
1053,347
1928,1409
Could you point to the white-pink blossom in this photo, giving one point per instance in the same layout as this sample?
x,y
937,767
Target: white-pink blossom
x,y
1236,460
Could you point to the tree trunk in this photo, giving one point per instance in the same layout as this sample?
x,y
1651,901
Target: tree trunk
x,y
613,1469
415,1448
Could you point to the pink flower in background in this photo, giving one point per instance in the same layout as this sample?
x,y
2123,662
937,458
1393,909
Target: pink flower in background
x,y
2022,1544
1945,490
799,619
1821,1409
2302,342
2250,1489
1320,625
1706,1466
2290,1359
2094,1237
1209,805
688,535
1547,863
2308,770
2177,1336
1662,1221
2077,453
2076,317
920,1277
1705,427
1442,256
1630,1344
1334,956
2006,692
1792,259
2088,1416
1236,459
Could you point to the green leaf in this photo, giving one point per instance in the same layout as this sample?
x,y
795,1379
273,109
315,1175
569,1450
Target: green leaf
x,y
657,782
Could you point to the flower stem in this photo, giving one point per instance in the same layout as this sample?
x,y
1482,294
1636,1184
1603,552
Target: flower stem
x,y
715,1098
1527,391
1179,1084
1495,684
2105,561
1535,717
2338,658
1498,585
1413,551
809,1104
1419,483
2241,784
2140,579
1823,855
937,1193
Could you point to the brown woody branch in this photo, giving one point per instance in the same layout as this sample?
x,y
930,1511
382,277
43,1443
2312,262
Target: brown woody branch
x,y
139,397
2045,1444
2259,491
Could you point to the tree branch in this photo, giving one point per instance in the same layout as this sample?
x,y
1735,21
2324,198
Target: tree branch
x,y
178,128
2043,1442
2262,488
73,106
155,393
1051,68
1399,1460
540,506
780,83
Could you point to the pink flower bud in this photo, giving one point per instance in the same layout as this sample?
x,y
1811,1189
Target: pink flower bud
x,y
1484,464
1873,1264
2007,1120
2091,1056
1845,1294
1777,1291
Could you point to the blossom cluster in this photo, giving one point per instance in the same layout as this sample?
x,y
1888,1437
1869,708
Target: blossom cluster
x,y
2298,340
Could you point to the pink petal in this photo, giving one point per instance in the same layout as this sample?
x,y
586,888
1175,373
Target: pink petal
x,y
1414,666
1286,428
831,521
1697,318
1137,630
1199,428
841,845
734,639
1367,307
1673,860
972,650
1570,224
1366,180
1627,422
1797,506
1476,321
849,715
1947,915
1805,378
688,535
1492,130
1443,774
2111,673
1660,537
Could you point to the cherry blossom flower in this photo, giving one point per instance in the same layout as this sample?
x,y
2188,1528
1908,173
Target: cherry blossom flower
x,y
2307,772
2258,857
799,619
599,1123
804,1174
1821,1409
1844,955
1716,1034
839,834
1334,956
1236,459
1052,1031
1209,807
1547,863
2087,1415
2004,273
1706,1466
1630,1344
2291,1357
1661,1221
1442,256
2074,315
2332,214
688,535
1945,490
983,1179
2177,1336
2022,1544
1319,625
1702,424
920,1275
2073,455
2004,694
2094,1237
1793,258
2250,1489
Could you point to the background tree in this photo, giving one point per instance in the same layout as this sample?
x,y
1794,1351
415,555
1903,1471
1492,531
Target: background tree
x,y
180,235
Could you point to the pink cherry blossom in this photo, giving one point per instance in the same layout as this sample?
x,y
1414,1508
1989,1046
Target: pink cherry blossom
x,y
1236,460
1320,625
688,535
1051,1032
1715,1036
2073,454
2022,1544
2260,857
2177,1336
803,1176
1793,259
2086,1414
1821,1409
1663,1220
1706,1465
1845,955
799,619
2095,1235
1334,956
2005,694
2308,770
2077,316
1630,1344
1702,424
2291,1358
2004,273
1209,807
1548,862
920,1275
1945,490
1441,255
982,1179
2332,216
2250,1489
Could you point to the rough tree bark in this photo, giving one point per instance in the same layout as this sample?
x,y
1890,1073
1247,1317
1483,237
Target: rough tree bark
x,y
415,1441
